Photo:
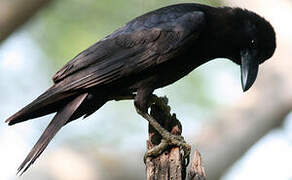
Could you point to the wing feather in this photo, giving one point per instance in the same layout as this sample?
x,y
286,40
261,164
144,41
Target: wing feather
x,y
130,51
140,45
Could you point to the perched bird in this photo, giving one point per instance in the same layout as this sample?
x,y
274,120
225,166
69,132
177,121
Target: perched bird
x,y
149,52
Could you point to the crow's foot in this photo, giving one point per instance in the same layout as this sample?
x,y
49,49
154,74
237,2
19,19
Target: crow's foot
x,y
170,140
167,140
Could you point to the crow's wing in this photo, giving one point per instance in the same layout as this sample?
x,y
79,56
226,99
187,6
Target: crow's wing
x,y
139,45
142,43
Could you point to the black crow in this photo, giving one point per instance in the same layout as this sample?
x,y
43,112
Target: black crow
x,y
149,52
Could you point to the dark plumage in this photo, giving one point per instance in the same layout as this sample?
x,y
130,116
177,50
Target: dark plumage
x,y
150,52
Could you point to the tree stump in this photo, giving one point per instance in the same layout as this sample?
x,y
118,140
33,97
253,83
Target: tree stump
x,y
171,164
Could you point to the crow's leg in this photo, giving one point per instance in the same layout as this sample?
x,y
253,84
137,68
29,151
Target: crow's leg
x,y
143,101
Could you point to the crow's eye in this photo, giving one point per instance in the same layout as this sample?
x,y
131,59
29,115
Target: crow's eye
x,y
253,43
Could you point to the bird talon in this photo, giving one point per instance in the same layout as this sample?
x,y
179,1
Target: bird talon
x,y
171,140
156,150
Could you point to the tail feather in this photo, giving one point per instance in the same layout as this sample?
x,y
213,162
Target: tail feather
x,y
55,125
49,102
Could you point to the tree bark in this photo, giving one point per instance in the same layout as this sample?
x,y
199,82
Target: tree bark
x,y
168,165
197,171
14,13
171,164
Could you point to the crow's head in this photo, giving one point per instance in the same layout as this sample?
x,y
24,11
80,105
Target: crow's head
x,y
255,42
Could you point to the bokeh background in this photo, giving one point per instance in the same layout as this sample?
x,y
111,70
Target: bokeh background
x,y
240,135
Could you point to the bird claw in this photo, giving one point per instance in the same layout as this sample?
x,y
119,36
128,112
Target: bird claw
x,y
166,141
156,150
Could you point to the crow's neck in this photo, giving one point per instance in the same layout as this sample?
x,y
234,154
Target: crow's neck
x,y
220,35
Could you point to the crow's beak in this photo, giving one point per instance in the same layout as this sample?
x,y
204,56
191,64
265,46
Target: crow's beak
x,y
249,68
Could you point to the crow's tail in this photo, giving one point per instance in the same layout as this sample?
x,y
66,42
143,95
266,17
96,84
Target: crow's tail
x,y
62,116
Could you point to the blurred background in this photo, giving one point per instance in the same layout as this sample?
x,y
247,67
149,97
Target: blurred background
x,y
240,135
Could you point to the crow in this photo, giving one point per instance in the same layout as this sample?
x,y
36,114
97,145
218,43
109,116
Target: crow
x,y
149,52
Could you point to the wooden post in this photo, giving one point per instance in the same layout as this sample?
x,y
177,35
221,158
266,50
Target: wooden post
x,y
197,171
170,165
